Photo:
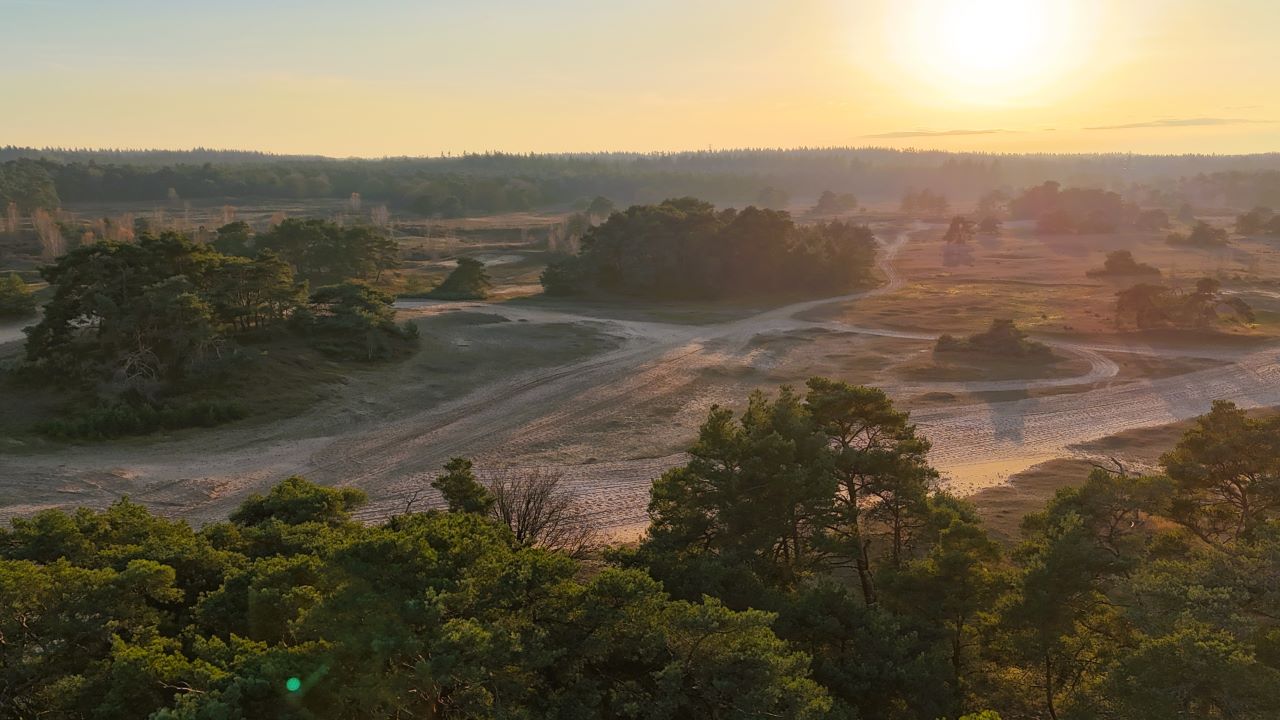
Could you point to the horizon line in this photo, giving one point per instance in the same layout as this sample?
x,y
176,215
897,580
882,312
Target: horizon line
x,y
451,155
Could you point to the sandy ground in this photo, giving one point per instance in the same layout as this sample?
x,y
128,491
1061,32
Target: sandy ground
x,y
618,414
12,331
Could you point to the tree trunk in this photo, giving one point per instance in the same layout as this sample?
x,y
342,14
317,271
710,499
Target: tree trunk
x,y
1048,687
864,572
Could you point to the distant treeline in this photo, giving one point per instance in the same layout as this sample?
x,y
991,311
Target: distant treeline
x,y
498,182
685,248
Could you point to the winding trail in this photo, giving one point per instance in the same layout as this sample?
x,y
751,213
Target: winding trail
x,y
531,418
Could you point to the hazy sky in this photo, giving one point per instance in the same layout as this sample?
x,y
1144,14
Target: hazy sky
x,y
410,77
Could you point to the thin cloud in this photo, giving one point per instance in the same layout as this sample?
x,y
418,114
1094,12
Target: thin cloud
x,y
932,133
1183,122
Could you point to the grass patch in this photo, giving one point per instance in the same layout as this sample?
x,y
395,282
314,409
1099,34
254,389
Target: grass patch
x,y
1003,507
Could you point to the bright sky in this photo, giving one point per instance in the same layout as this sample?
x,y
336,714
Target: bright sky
x,y
412,77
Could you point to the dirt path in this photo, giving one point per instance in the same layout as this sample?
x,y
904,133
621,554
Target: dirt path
x,y
12,331
557,419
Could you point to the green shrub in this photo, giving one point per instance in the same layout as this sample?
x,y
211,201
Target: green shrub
x,y
1002,338
468,281
355,322
120,419
16,300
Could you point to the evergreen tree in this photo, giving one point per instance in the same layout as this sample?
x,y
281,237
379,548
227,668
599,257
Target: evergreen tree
x,y
468,281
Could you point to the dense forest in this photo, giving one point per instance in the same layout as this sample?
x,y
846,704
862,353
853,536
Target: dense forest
x,y
686,248
496,182
804,563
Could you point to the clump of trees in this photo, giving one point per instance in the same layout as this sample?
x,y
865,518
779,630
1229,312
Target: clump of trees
x,y
1202,235
1003,339
600,207
133,324
1148,306
1121,263
354,321
28,185
924,202
16,298
832,203
468,281
993,204
803,563
1151,220
685,248
773,198
961,231
1059,211
320,251
1258,221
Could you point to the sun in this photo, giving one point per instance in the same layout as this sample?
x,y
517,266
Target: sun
x,y
984,51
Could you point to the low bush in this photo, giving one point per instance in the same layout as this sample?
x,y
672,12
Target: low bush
x,y
468,281
120,419
1122,263
1002,338
16,300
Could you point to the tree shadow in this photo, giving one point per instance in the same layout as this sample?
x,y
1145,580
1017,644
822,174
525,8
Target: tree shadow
x,y
956,255
1008,415
990,241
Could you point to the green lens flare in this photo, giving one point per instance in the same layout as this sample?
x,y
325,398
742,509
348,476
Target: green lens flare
x,y
293,684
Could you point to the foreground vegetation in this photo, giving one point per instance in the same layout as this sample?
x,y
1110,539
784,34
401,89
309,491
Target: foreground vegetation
x,y
802,564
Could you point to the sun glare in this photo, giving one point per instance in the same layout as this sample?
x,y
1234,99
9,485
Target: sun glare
x,y
985,51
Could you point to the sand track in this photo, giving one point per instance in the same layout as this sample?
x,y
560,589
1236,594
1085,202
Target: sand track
x,y
552,418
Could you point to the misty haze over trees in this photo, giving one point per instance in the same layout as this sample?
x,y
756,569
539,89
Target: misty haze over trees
x,y
499,182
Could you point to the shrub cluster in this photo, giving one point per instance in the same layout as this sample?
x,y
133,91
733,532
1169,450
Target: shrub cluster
x,y
1003,338
120,419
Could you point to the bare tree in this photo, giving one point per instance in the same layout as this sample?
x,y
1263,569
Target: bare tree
x,y
122,228
52,244
11,218
542,512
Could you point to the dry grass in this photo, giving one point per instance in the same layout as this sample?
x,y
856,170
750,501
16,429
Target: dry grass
x,y
970,366
1040,282
1003,507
